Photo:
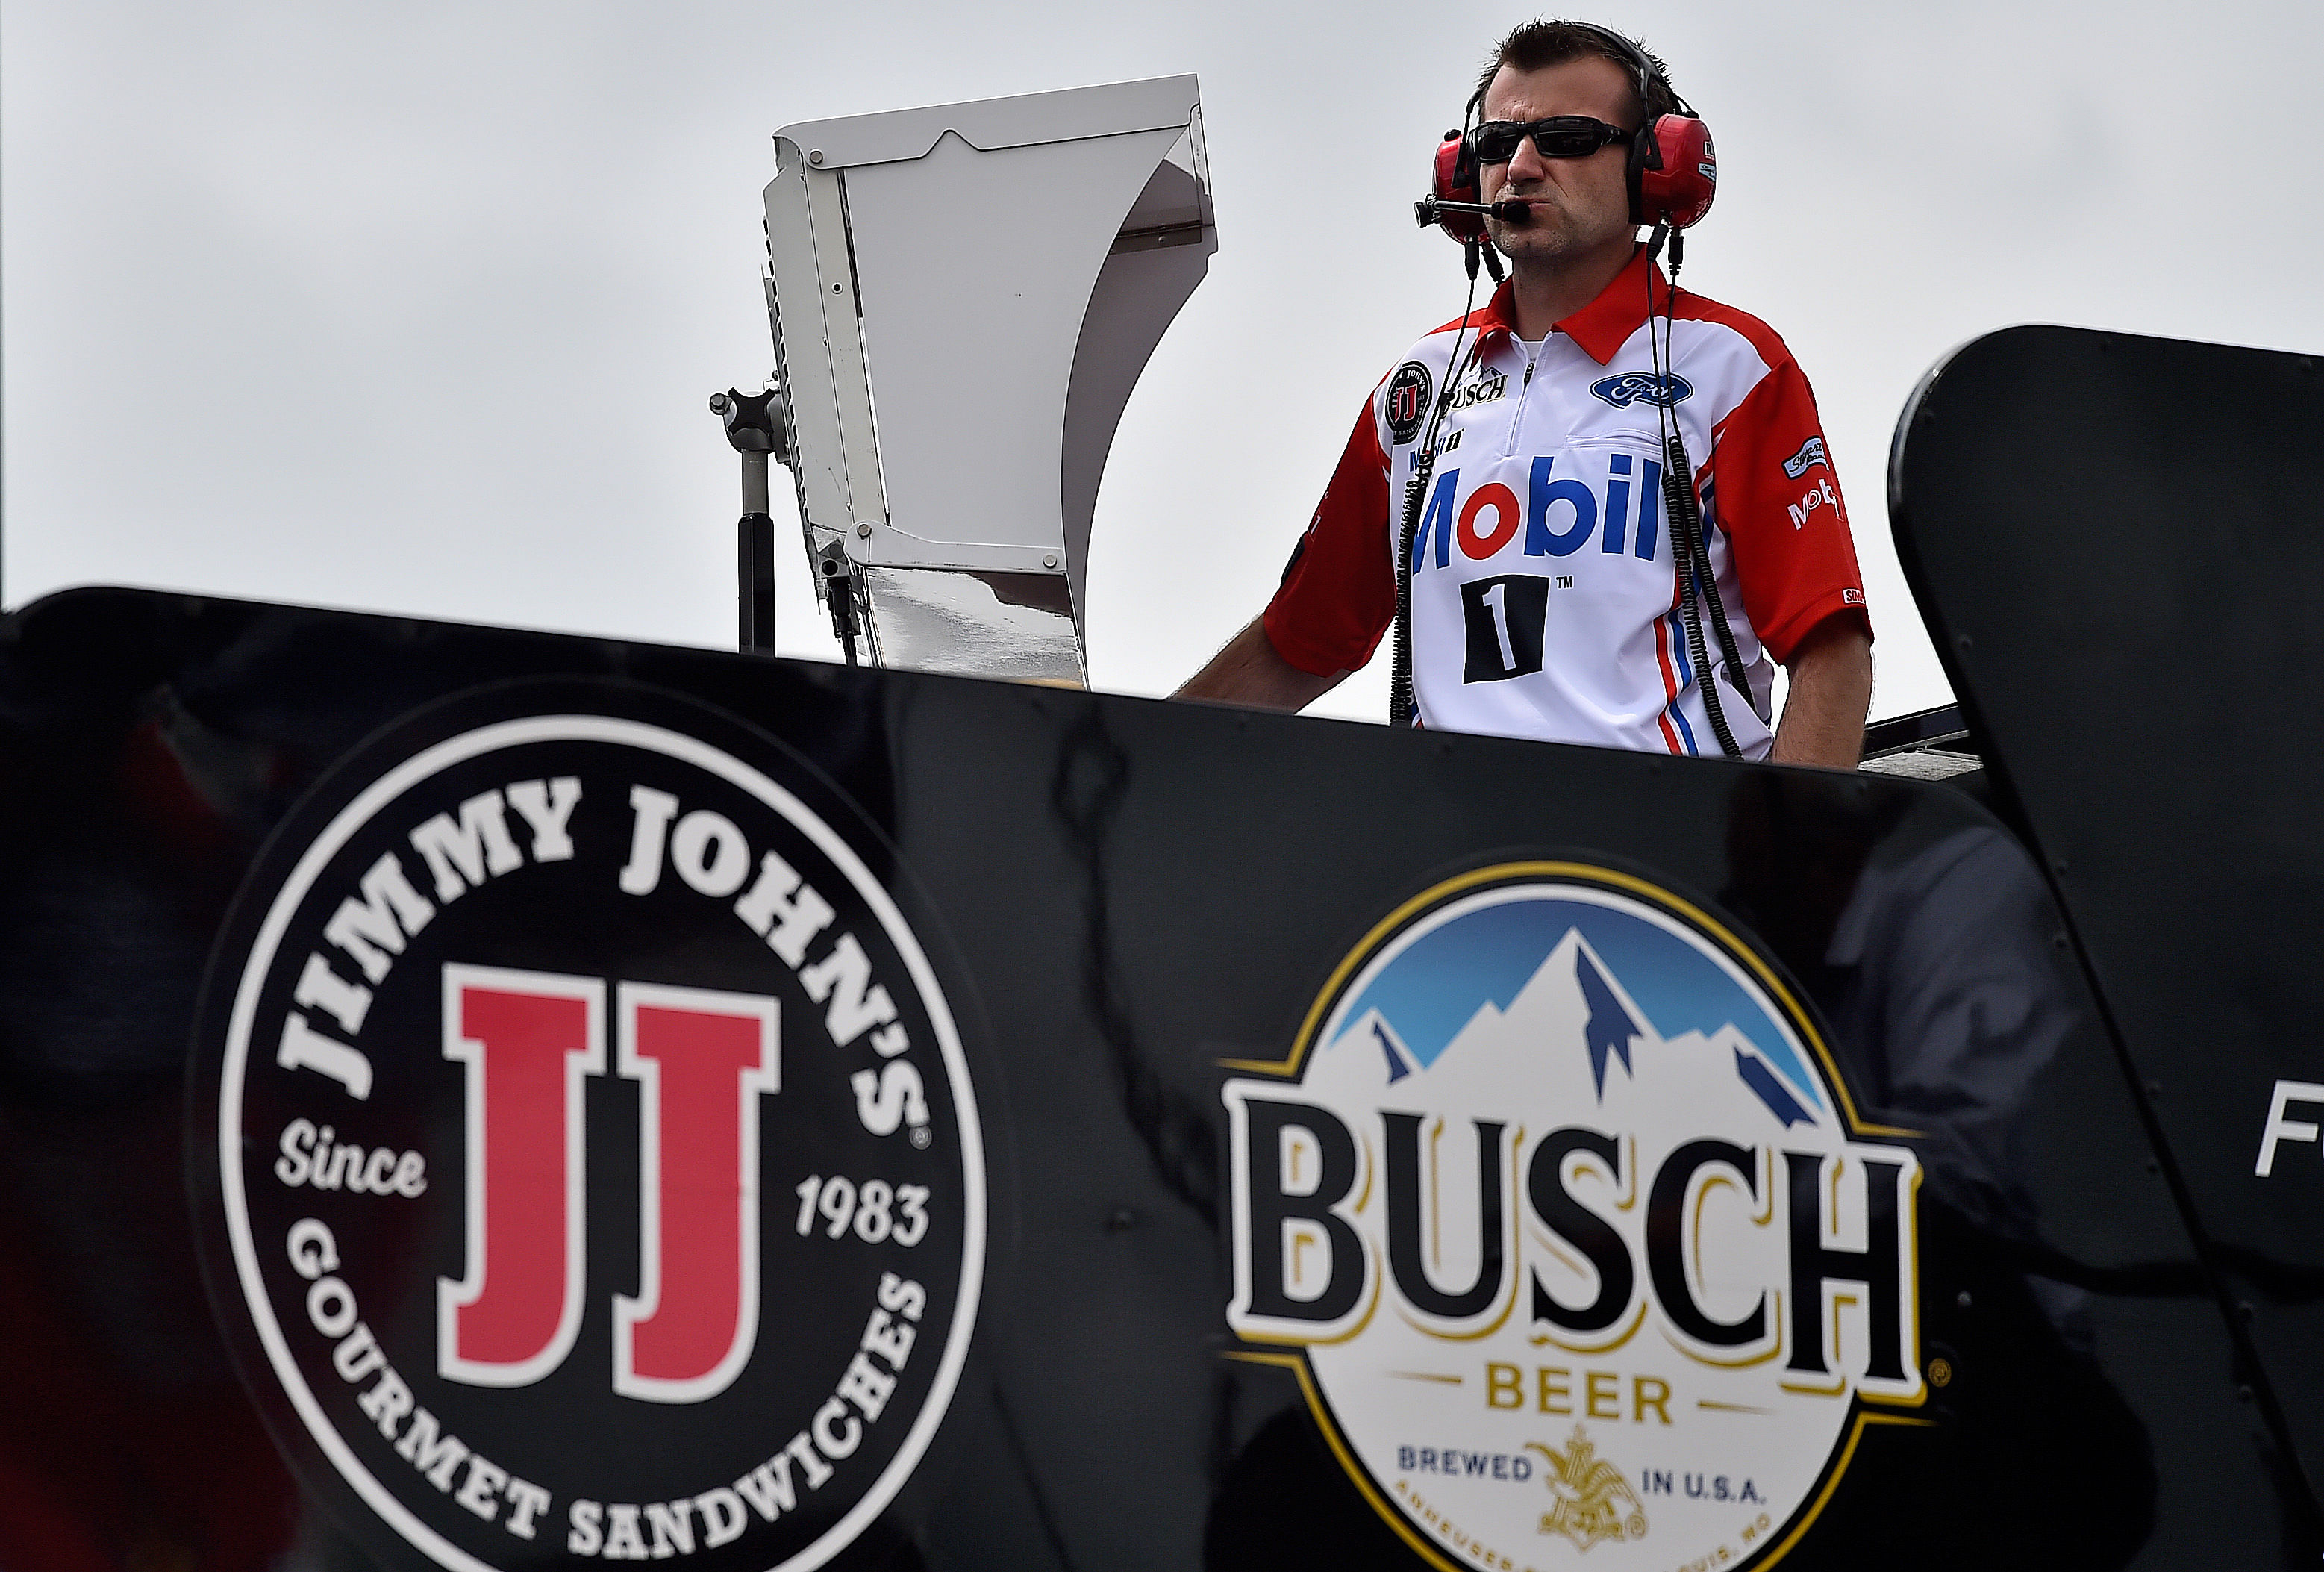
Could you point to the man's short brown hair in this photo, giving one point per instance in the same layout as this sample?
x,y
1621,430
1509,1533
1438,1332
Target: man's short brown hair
x,y
1539,45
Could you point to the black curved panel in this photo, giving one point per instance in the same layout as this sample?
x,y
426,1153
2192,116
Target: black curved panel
x,y
1116,896
2118,544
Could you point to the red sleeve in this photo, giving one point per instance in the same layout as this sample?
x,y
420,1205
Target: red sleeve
x,y
1337,594
1778,498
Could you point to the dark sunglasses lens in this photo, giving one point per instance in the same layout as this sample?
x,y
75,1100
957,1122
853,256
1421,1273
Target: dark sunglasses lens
x,y
1570,136
1497,141
1567,141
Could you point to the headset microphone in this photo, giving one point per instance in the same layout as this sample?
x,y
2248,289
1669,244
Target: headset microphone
x,y
1428,210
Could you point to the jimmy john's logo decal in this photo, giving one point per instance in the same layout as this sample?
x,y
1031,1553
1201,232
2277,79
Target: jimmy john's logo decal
x,y
1563,1217
595,1160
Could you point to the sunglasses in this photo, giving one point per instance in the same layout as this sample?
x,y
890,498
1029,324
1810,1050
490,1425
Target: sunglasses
x,y
1558,137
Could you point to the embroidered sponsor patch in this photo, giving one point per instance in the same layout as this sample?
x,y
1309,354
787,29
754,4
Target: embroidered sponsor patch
x,y
1627,388
1407,399
1810,455
1818,495
1483,389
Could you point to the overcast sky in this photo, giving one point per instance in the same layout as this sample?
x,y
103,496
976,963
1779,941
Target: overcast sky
x,y
415,307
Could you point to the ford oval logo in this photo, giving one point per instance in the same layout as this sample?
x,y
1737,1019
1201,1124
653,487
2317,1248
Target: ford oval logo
x,y
1631,386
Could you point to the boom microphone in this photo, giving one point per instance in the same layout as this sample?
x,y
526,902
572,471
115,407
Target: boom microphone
x,y
1508,211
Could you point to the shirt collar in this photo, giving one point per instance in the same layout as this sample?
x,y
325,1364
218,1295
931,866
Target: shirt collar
x,y
1603,325
1498,317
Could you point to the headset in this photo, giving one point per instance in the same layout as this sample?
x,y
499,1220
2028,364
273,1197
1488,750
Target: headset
x,y
1672,174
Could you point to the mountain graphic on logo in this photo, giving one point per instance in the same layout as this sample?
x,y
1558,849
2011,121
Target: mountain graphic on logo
x,y
1611,1027
1574,1011
1374,1026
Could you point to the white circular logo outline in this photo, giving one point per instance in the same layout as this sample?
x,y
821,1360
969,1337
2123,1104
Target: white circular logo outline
x,y
1630,895
293,892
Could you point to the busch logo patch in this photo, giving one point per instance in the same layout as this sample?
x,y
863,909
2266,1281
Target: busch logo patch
x,y
1810,454
1481,389
1562,1212
1629,387
593,1169
1407,401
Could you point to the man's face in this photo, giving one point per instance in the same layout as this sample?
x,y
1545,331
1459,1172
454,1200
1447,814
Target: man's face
x,y
1579,205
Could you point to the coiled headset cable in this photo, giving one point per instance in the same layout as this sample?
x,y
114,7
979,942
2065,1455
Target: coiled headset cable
x,y
1403,708
1684,513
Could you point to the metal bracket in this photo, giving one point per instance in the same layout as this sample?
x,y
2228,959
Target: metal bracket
x,y
839,580
877,544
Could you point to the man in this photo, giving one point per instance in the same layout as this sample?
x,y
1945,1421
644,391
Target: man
x,y
1547,599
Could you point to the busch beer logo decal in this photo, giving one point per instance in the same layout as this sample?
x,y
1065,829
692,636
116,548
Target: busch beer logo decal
x,y
596,1159
1565,1220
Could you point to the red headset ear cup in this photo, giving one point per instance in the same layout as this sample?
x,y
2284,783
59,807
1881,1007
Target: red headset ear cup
x,y
1455,180
1679,174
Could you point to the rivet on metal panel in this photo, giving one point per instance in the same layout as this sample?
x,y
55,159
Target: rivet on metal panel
x,y
1049,559
1962,642
1962,1298
1940,1371
863,531
814,156
839,289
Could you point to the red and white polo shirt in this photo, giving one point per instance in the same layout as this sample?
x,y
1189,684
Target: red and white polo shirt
x,y
1545,590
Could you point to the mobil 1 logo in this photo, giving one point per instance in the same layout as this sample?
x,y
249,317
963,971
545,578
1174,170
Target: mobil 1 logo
x,y
589,1163
1504,620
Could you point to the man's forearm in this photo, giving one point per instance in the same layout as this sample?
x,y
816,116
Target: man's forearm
x,y
1250,672
1831,691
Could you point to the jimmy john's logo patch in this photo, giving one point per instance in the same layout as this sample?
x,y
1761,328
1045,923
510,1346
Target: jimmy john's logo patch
x,y
1407,401
1566,1220
594,1172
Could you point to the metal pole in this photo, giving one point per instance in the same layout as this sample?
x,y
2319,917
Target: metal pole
x,y
754,427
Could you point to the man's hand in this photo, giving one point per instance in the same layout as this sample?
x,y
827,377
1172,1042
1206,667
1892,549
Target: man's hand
x,y
1248,672
1831,690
